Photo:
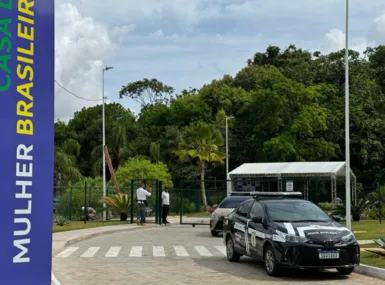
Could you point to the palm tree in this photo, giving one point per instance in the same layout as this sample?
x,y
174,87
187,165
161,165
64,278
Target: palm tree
x,y
201,141
356,210
65,162
120,203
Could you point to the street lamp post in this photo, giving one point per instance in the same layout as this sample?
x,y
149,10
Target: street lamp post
x,y
104,143
347,133
228,182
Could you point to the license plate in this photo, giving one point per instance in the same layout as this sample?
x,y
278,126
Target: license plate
x,y
329,254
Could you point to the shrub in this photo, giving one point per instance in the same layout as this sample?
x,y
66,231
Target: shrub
x,y
326,206
61,221
120,203
381,243
374,213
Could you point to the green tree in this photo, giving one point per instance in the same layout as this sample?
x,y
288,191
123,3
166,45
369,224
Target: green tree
x,y
86,128
65,163
140,168
201,142
147,91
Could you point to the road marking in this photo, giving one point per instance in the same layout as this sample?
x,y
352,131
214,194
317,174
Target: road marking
x,y
158,251
54,280
221,249
180,251
136,251
90,252
67,252
113,251
202,250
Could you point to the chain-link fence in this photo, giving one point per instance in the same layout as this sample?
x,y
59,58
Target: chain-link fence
x,y
190,203
70,200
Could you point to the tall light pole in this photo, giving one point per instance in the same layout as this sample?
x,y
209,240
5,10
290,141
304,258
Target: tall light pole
x,y
347,132
104,143
228,182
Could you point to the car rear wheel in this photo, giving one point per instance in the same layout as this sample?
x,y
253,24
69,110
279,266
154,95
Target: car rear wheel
x,y
232,255
345,271
214,233
271,266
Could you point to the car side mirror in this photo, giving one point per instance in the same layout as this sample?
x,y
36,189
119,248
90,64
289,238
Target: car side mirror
x,y
336,218
257,220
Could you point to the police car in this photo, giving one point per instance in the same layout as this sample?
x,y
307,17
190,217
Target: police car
x,y
225,207
283,230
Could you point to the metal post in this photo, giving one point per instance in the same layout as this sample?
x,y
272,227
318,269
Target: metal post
x,y
347,133
104,142
104,156
156,201
71,203
85,202
132,202
160,203
180,205
228,182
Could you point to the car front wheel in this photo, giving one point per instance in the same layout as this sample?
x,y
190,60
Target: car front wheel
x,y
345,271
271,266
232,255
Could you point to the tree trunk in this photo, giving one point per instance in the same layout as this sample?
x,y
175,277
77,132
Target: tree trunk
x,y
203,190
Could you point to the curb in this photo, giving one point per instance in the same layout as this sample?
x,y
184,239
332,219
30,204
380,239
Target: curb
x,y
96,234
87,236
370,271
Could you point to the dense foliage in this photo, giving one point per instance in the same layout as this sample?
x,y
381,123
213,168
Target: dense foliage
x,y
288,105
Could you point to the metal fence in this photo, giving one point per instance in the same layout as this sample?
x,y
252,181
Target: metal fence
x,y
70,200
189,198
154,208
186,200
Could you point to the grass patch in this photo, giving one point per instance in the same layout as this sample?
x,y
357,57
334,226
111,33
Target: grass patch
x,y
371,245
78,225
372,229
372,259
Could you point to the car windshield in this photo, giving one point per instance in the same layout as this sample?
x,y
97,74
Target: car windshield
x,y
233,201
295,211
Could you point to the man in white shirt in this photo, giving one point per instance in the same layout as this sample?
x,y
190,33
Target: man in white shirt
x,y
165,205
141,196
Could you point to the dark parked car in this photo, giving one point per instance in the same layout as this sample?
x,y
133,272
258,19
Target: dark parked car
x,y
284,231
226,207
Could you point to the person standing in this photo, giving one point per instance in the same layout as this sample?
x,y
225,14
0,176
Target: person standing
x,y
141,196
165,205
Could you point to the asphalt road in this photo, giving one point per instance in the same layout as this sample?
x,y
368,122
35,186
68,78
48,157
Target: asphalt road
x,y
173,255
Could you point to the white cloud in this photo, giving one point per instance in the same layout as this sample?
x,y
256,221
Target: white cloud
x,y
335,40
81,46
188,43
377,29
157,34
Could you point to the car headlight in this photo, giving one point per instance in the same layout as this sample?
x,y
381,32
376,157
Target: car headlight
x,y
215,215
348,238
292,238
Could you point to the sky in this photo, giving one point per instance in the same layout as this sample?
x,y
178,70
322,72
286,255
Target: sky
x,y
186,43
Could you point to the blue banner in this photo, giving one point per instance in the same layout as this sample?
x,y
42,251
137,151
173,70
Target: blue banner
x,y
26,141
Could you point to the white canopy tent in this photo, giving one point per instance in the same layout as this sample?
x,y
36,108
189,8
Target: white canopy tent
x,y
279,170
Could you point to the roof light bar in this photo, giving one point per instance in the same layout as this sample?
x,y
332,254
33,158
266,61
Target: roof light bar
x,y
258,195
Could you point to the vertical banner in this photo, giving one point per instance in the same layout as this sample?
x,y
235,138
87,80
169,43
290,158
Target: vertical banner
x,y
26,141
